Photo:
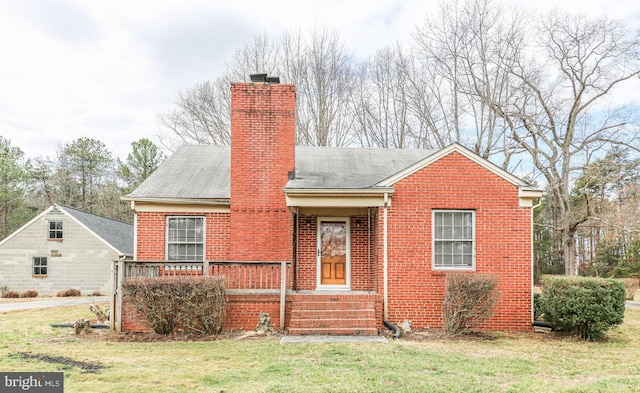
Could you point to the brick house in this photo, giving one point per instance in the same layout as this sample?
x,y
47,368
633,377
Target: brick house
x,y
332,240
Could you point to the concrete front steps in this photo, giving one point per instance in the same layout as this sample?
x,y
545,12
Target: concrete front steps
x,y
334,314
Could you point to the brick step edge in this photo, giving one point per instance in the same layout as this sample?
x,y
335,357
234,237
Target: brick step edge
x,y
328,305
332,314
333,323
333,332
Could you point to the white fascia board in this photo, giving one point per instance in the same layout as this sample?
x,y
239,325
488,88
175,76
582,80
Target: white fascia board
x,y
336,197
178,201
179,207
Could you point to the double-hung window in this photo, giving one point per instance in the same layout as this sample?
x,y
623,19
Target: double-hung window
x,y
454,239
55,230
185,238
40,266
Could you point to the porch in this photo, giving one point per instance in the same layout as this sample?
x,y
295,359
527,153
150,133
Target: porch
x,y
261,286
329,285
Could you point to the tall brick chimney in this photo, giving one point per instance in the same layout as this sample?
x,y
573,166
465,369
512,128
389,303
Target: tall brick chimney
x,y
262,156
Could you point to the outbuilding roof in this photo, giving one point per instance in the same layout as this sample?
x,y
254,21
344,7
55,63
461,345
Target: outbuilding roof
x,y
117,233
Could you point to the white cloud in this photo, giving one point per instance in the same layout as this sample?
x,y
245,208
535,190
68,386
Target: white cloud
x,y
104,69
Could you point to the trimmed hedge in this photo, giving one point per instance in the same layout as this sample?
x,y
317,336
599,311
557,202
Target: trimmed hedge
x,y
30,293
71,292
10,295
195,304
586,307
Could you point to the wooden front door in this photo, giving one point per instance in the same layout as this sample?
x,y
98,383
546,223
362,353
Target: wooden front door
x,y
333,250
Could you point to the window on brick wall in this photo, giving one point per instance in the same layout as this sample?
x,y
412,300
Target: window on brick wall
x,y
55,230
40,266
454,239
185,238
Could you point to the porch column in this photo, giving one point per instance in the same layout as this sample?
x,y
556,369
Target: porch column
x,y
385,262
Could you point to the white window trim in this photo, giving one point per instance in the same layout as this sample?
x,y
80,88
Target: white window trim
x,y
57,230
33,267
433,240
204,236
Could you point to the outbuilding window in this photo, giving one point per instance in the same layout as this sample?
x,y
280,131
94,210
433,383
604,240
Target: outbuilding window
x,y
40,266
454,239
55,230
185,238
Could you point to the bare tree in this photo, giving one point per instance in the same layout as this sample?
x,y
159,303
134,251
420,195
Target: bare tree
x,y
559,112
319,66
324,93
380,102
464,53
201,116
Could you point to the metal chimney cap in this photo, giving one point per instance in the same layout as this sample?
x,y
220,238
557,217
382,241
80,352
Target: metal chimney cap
x,y
263,78
258,77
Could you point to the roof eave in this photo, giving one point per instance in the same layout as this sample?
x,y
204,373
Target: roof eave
x,y
179,201
337,197
340,192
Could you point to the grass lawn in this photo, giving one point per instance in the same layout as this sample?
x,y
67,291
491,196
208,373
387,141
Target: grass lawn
x,y
509,363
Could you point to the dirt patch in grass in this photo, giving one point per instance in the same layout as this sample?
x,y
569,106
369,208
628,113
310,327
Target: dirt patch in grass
x,y
144,337
87,367
427,334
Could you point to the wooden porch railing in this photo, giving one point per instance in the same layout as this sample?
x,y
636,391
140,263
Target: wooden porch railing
x,y
240,277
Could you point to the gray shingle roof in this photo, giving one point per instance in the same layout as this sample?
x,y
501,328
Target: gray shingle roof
x,y
203,172
192,172
350,168
117,233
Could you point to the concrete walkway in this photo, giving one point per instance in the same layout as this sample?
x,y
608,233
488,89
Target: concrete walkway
x,y
53,302
333,339
635,305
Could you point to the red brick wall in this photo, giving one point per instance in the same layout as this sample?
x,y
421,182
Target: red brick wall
x,y
262,155
152,229
243,311
503,242
307,246
363,266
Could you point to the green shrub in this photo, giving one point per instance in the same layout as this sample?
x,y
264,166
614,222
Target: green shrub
x,y
10,294
537,306
586,307
30,293
71,292
196,304
470,298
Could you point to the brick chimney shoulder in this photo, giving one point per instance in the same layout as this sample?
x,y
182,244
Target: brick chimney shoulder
x,y
262,155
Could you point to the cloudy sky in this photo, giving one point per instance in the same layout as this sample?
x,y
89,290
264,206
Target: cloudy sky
x,y
105,69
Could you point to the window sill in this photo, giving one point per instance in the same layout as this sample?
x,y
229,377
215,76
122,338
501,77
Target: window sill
x,y
454,269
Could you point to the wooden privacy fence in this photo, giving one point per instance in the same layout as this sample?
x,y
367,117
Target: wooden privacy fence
x,y
240,277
